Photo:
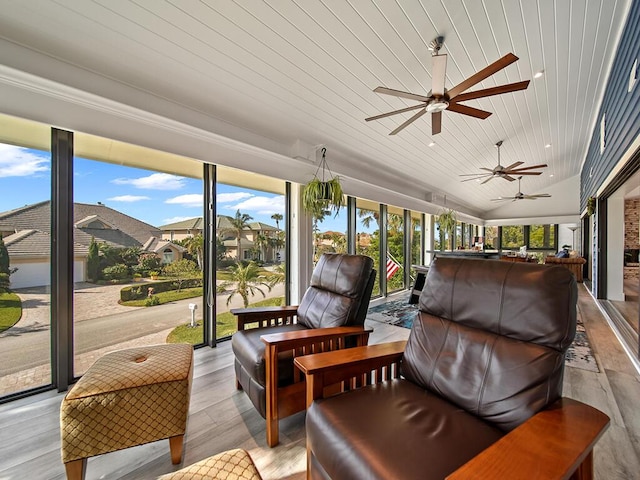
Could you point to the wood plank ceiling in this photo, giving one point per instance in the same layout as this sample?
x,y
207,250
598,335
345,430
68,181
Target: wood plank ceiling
x,y
304,71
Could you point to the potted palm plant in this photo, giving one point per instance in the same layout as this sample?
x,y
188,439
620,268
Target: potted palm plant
x,y
323,193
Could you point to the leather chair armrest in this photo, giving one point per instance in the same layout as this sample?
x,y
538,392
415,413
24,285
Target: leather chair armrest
x,y
353,367
556,443
265,316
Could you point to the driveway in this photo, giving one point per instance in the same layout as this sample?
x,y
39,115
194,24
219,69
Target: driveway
x,y
101,324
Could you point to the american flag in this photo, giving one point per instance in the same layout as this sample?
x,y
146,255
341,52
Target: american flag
x,y
392,267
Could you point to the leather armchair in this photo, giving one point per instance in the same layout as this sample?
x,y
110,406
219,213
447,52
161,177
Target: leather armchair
x,y
476,391
330,316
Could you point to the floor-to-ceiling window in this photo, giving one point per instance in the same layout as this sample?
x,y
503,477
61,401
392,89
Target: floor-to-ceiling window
x,y
134,284
25,259
368,236
395,249
251,249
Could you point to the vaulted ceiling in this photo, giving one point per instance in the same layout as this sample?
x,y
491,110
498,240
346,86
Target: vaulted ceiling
x,y
302,72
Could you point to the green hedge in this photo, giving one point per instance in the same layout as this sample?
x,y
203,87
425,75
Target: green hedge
x,y
136,292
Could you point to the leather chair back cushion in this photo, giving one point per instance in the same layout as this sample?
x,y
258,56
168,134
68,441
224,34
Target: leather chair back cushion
x,y
491,336
496,378
337,288
528,302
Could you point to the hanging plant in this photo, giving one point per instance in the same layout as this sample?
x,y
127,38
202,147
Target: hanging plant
x,y
323,193
591,206
447,222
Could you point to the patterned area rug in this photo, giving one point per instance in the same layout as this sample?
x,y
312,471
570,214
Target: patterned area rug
x,y
401,314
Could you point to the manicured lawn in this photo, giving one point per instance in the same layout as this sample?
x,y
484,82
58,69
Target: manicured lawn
x,y
166,297
225,325
10,310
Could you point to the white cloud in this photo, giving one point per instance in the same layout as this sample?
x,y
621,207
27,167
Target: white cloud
x,y
190,200
128,198
260,205
155,181
21,162
232,197
167,221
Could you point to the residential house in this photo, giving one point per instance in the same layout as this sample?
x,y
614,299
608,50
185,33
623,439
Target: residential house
x,y
251,248
27,236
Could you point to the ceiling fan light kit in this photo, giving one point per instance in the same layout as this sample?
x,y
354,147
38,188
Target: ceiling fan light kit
x,y
440,99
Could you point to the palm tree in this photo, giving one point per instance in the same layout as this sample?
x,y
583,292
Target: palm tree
x,y
245,281
262,242
194,246
239,224
277,217
367,216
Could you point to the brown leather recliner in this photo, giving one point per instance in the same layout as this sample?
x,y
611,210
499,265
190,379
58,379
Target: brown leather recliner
x,y
478,381
330,316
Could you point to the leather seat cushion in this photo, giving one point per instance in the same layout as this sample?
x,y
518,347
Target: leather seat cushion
x,y
394,430
249,351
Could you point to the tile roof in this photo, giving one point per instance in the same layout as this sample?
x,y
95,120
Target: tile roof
x,y
126,232
189,224
35,243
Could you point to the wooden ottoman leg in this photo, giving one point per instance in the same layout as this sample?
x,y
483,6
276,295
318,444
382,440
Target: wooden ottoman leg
x,y
175,445
76,469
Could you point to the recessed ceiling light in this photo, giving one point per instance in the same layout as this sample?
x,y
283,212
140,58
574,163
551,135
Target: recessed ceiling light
x,y
548,145
432,144
538,74
551,174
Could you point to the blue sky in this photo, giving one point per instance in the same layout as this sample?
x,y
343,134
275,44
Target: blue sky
x,y
153,197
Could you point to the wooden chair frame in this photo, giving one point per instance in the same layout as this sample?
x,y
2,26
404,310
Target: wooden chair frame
x,y
284,401
556,443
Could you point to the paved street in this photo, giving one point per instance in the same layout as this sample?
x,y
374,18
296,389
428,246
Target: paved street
x,y
101,325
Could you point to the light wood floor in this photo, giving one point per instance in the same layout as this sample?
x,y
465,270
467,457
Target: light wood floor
x,y
222,418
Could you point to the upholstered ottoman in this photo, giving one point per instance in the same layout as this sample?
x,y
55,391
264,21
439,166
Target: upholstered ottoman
x,y
127,398
231,465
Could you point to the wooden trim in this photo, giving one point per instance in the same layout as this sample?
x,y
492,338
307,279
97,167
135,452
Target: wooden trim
x,y
352,367
265,316
552,444
285,401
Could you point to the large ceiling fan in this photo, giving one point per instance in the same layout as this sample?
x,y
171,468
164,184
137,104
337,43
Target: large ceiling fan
x,y
502,172
440,98
522,196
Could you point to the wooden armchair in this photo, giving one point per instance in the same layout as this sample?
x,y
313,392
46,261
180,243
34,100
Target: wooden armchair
x,y
474,393
330,316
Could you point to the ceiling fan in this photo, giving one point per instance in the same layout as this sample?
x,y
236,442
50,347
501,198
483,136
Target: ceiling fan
x,y
502,172
440,98
522,196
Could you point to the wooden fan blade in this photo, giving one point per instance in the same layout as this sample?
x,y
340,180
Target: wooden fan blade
x,y
496,66
395,112
488,92
542,165
436,123
438,74
472,112
399,93
507,177
539,195
518,172
490,178
411,120
512,166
